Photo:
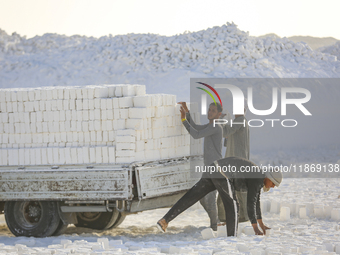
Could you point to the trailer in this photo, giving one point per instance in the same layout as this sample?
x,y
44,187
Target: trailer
x,y
89,156
42,201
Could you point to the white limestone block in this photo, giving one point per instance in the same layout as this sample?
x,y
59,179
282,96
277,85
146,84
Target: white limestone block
x,y
303,213
112,135
142,101
25,95
85,104
99,156
55,155
3,157
9,107
134,124
80,158
74,156
111,89
128,90
207,233
44,157
109,103
54,93
93,155
79,104
104,114
62,158
125,102
60,105
97,114
112,155
116,113
21,156
97,125
329,246
319,211
157,100
157,133
328,211
124,159
72,104
8,95
158,123
79,94
3,95
104,242
149,145
85,115
101,92
3,106
115,103
337,248
93,136
79,116
91,104
105,154
109,114
335,214
164,153
125,139
109,125
131,132
285,213
13,96
87,138
140,90
274,206
137,113
105,136
13,157
248,230
14,106
125,146
90,92
49,156
103,103
65,105
159,112
140,156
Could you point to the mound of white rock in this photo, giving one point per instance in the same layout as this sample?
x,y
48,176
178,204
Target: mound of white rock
x,y
223,51
332,50
91,124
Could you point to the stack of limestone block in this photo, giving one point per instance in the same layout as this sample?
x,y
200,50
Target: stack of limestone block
x,y
91,125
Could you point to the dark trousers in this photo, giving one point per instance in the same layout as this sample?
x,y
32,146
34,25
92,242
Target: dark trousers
x,y
204,186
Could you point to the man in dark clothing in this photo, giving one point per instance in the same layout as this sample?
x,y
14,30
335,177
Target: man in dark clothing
x,y
227,175
212,136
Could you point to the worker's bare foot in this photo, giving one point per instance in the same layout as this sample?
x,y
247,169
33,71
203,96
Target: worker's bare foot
x,y
221,224
162,225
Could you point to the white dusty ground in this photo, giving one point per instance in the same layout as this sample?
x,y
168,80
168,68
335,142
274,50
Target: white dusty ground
x,y
138,234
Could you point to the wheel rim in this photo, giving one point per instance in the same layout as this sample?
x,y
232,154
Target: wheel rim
x,y
29,213
89,216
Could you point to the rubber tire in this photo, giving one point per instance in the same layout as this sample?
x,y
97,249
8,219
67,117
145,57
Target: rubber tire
x,y
19,225
60,229
120,219
100,220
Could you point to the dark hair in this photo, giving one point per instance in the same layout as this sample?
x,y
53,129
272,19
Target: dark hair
x,y
218,105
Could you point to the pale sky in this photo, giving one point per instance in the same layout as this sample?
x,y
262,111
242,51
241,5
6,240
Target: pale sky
x,y
103,17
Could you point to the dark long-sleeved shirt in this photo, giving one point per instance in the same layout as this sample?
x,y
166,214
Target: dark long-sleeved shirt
x,y
238,138
252,182
212,149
